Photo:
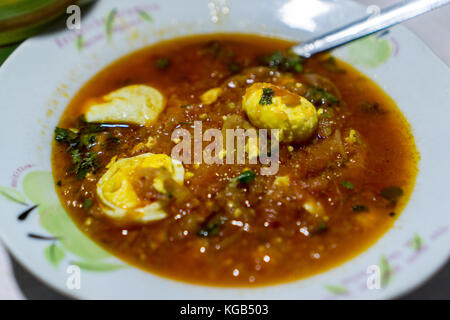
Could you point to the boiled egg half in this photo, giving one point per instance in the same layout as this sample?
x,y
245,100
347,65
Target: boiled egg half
x,y
272,107
138,104
118,197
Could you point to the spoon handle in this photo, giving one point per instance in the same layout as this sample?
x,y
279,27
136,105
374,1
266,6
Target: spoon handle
x,y
388,17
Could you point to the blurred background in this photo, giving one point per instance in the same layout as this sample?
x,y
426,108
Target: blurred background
x,y
20,19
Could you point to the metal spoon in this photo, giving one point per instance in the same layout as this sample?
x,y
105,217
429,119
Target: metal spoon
x,y
388,17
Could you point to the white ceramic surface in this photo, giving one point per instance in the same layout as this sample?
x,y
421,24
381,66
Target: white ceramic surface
x,y
42,75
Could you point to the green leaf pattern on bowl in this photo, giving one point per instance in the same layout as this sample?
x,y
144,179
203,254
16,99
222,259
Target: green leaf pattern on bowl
x,y
337,289
370,51
145,16
38,187
109,23
54,254
12,195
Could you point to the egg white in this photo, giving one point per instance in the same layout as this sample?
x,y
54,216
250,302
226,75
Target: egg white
x,y
138,104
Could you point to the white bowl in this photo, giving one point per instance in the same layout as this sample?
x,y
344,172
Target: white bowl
x,y
42,75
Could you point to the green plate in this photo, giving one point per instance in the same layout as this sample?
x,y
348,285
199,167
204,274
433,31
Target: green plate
x,y
20,19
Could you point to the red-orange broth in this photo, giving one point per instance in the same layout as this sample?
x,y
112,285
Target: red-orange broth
x,y
361,186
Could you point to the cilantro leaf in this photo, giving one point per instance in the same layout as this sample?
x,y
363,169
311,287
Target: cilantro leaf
x,y
289,62
392,193
65,135
360,208
87,204
266,97
319,96
211,229
162,63
348,185
246,176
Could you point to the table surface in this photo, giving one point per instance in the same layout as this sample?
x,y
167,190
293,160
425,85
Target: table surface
x,y
18,283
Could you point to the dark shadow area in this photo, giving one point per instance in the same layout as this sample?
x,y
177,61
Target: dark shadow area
x,y
437,288
31,287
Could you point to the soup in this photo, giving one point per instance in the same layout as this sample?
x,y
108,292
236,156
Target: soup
x,y
345,169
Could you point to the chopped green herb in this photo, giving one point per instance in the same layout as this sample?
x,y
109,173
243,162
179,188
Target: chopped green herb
x,y
80,142
348,185
320,227
76,157
82,120
184,106
392,193
370,108
274,60
266,97
319,96
293,64
61,134
87,204
59,183
326,114
83,165
246,176
234,67
392,214
93,127
212,227
162,63
288,62
111,143
84,140
331,65
360,208
65,135
88,127
213,48
88,139
113,139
